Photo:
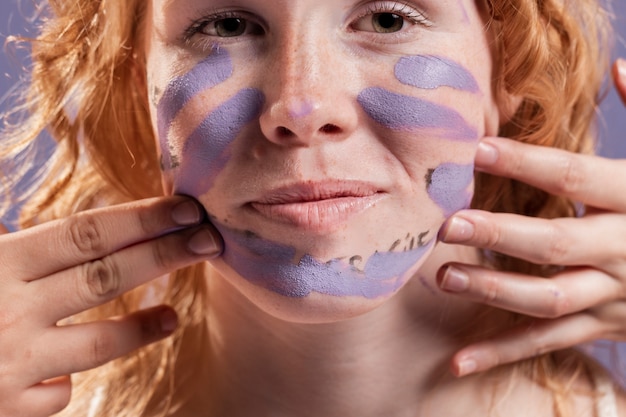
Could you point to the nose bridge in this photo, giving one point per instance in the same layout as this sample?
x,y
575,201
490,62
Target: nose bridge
x,y
302,66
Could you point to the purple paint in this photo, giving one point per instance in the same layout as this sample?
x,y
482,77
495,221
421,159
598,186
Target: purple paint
x,y
399,112
273,266
206,151
213,70
448,186
300,109
430,72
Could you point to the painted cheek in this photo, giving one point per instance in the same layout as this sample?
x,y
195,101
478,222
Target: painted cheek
x,y
431,72
213,70
272,266
206,151
399,112
448,185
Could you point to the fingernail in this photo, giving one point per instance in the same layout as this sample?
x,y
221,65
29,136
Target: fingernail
x,y
169,321
467,366
203,243
186,213
458,230
454,280
621,69
486,154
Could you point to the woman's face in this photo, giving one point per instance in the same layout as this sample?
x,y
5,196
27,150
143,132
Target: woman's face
x,y
327,139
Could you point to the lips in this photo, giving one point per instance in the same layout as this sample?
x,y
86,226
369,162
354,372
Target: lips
x,y
317,206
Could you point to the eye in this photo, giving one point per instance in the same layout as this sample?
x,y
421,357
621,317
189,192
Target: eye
x,y
387,22
388,17
227,25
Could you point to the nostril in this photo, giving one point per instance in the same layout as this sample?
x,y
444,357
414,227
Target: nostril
x,y
283,132
330,129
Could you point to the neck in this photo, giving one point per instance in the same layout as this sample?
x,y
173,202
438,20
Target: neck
x,y
385,362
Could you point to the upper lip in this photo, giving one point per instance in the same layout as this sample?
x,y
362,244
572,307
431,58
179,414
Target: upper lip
x,y
311,191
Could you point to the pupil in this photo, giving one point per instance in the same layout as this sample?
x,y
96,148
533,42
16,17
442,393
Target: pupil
x,y
230,27
388,22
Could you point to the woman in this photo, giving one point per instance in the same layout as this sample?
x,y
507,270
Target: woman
x,y
331,145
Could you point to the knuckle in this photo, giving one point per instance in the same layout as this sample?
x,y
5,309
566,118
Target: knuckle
x,y
162,254
492,235
570,176
102,278
560,305
103,349
86,234
557,247
149,223
491,291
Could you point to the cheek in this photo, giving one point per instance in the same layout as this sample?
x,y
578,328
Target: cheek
x,y
198,159
448,185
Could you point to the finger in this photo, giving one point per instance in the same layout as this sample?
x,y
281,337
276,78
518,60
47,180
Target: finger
x,y
93,283
89,345
526,341
619,75
566,293
585,178
46,399
563,241
61,244
3,229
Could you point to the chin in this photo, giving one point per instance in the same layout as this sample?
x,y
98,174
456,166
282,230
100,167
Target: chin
x,y
304,289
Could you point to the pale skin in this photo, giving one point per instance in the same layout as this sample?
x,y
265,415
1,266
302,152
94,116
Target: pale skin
x,y
157,238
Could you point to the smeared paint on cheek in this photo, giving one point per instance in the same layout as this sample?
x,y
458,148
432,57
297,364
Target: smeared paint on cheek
x,y
206,151
272,266
213,70
400,112
448,186
430,72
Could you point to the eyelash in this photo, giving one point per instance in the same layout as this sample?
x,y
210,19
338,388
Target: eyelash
x,y
401,9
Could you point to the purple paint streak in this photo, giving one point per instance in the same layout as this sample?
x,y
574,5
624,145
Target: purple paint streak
x,y
273,266
399,112
213,70
430,72
448,186
206,151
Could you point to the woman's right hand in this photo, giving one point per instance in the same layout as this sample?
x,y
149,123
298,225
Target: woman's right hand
x,y
58,269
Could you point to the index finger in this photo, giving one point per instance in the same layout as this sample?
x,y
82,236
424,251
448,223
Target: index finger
x,y
592,180
60,244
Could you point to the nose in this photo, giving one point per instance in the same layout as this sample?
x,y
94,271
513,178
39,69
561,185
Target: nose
x,y
307,98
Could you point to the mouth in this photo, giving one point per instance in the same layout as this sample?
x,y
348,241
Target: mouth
x,y
317,206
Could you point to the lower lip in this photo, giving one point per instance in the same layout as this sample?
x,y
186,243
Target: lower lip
x,y
317,216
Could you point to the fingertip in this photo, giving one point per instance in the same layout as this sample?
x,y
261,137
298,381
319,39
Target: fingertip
x,y
206,242
487,154
619,75
168,320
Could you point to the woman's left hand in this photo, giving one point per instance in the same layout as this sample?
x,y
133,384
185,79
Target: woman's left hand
x,y
584,302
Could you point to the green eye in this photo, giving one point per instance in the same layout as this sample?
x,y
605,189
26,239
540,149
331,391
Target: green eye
x,y
387,22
